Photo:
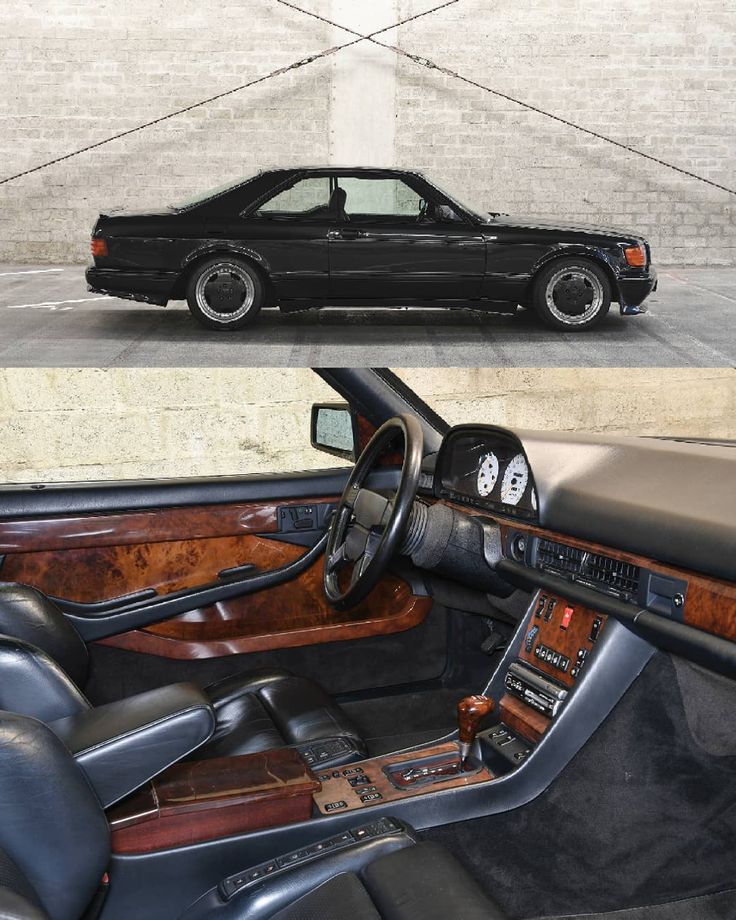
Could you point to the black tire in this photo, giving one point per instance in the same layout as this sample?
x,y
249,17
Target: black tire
x,y
571,294
225,293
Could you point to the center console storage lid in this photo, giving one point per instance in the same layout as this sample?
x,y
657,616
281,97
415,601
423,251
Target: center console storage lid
x,y
122,745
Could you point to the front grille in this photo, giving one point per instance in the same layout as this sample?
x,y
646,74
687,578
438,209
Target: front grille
x,y
611,575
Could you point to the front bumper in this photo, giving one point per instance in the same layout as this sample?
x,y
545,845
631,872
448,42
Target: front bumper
x,y
634,291
148,287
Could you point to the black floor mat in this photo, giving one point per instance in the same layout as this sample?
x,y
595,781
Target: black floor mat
x,y
718,906
390,723
645,813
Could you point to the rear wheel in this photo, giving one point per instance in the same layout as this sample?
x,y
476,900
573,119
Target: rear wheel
x,y
572,294
225,293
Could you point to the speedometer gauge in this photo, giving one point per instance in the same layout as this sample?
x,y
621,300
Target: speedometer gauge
x,y
515,480
487,474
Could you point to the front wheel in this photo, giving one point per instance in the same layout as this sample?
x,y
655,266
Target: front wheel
x,y
225,293
572,294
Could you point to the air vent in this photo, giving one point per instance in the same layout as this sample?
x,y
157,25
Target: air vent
x,y
620,579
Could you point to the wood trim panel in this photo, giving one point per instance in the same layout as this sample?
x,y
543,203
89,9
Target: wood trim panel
x,y
25,535
710,604
566,641
522,718
338,789
103,573
289,615
210,799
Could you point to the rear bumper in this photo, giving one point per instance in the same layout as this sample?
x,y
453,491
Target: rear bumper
x,y
149,287
634,291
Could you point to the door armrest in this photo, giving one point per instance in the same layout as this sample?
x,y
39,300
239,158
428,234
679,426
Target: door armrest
x,y
122,745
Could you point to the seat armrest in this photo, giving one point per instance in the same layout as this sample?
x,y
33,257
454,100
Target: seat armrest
x,y
121,745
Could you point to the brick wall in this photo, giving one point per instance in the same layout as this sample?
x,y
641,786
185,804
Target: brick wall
x,y
87,424
661,76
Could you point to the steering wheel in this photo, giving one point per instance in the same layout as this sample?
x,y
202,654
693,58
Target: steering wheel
x,y
367,527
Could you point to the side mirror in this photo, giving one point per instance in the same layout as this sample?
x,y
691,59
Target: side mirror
x,y
333,431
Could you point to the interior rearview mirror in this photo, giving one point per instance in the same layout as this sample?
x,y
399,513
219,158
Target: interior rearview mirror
x,y
333,431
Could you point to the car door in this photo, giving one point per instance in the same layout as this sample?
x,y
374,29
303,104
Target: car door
x,y
385,249
288,232
195,579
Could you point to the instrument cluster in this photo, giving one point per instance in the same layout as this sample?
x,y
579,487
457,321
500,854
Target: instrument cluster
x,y
487,468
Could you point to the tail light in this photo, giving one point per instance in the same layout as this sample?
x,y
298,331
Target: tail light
x,y
636,256
99,247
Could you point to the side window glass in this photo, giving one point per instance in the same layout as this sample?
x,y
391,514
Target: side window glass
x,y
380,197
307,198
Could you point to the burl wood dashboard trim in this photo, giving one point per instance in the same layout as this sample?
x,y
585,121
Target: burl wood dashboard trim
x,y
210,799
522,718
710,603
338,789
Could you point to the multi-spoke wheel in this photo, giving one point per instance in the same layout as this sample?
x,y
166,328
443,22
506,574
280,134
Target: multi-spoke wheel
x,y
572,294
368,526
225,293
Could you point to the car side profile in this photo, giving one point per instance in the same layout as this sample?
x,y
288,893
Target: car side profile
x,y
303,238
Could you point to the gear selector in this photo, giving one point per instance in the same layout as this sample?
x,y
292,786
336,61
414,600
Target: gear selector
x,y
471,711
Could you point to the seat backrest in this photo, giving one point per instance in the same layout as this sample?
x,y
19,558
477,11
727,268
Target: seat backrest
x,y
28,614
54,838
337,203
33,684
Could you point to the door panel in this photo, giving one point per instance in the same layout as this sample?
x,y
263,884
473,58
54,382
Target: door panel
x,y
93,558
414,260
289,615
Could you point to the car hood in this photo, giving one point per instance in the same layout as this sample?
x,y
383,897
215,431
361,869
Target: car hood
x,y
533,224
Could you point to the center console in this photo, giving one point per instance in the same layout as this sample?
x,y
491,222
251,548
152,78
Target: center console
x,y
211,799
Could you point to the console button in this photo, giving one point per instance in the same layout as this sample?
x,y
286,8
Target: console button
x,y
595,629
530,637
371,797
566,617
334,806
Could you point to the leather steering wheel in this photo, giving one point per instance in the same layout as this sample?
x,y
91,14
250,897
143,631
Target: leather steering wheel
x,y
368,527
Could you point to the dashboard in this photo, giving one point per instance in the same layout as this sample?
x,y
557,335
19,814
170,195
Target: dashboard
x,y
487,468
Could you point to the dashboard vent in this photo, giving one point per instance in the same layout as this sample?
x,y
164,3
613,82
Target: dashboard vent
x,y
620,579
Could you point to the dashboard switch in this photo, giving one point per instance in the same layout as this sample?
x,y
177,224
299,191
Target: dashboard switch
x,y
566,617
595,629
530,637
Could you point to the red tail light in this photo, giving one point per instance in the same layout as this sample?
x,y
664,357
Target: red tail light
x,y
99,247
635,256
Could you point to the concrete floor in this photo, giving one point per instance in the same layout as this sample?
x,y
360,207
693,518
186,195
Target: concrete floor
x,y
49,319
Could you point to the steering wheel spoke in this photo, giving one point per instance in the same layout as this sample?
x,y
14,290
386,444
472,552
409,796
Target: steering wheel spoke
x,y
367,528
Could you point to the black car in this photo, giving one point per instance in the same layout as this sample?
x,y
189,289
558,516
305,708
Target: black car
x,y
304,238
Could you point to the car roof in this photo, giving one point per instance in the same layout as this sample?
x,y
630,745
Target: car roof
x,y
345,170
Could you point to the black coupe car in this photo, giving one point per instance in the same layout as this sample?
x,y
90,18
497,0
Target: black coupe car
x,y
304,238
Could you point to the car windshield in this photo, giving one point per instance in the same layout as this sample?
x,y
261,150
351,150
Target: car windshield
x,y
210,193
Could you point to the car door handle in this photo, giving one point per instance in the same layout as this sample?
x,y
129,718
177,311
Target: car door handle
x,y
345,234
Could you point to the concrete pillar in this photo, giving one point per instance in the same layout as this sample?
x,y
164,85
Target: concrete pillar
x,y
363,103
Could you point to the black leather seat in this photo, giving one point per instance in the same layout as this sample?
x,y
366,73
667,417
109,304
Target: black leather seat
x,y
254,711
336,206
55,847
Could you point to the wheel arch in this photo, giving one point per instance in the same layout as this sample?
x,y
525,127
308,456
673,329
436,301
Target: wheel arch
x,y
592,253
199,256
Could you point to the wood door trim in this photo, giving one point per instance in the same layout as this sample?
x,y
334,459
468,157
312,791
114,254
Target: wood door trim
x,y
158,525
400,610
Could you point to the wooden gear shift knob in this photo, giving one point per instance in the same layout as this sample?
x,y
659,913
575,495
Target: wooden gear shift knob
x,y
470,713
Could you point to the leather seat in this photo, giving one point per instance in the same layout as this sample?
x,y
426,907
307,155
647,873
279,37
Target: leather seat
x,y
55,847
337,202
255,710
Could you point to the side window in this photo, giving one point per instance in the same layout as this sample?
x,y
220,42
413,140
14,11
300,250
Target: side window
x,y
309,197
385,197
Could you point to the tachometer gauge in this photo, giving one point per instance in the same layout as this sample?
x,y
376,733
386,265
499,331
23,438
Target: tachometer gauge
x,y
515,480
487,474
